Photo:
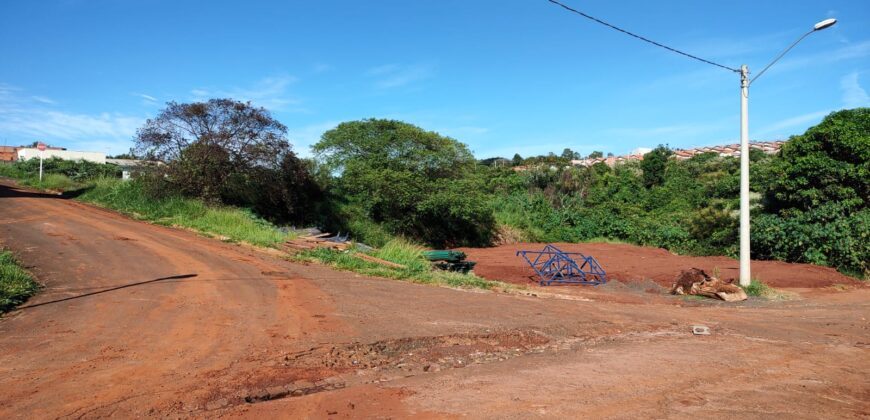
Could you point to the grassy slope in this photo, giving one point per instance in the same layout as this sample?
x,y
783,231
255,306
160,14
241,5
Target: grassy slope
x,y
230,223
417,270
16,284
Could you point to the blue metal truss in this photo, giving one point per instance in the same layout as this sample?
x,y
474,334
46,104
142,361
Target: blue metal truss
x,y
553,265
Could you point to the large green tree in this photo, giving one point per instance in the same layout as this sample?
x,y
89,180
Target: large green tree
x,y
817,194
414,182
828,163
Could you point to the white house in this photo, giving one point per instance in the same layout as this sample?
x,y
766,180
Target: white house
x,y
27,153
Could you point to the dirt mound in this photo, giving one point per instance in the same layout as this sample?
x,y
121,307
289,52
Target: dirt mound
x,y
629,263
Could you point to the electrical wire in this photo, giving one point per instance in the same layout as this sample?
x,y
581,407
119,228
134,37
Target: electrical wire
x,y
570,9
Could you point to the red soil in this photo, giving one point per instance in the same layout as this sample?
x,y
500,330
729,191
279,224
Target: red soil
x,y
634,263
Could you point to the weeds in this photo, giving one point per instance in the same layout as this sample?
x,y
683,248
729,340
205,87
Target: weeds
x,y
759,289
16,284
229,223
416,270
53,182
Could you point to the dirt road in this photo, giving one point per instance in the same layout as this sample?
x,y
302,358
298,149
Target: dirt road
x,y
142,320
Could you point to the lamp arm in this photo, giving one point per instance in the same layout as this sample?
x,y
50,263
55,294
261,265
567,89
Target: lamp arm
x,y
779,56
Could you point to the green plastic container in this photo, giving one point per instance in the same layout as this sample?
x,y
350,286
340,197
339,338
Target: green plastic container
x,y
444,255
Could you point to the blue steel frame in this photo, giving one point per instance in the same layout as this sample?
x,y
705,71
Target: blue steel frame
x,y
556,266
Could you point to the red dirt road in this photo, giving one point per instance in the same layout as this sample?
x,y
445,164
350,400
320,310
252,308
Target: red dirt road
x,y
636,263
251,336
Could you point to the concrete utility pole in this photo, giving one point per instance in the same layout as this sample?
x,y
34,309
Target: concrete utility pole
x,y
745,82
745,274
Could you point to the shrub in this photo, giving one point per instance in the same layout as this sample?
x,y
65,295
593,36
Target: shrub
x,y
830,235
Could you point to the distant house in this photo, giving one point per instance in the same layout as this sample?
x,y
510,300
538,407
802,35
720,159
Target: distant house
x,y
732,150
27,153
8,153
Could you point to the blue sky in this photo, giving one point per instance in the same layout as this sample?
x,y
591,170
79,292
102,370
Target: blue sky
x,y
502,76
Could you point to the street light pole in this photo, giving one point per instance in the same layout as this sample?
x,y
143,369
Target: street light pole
x,y
745,82
745,274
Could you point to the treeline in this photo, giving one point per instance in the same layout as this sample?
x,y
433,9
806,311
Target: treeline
x,y
379,179
809,203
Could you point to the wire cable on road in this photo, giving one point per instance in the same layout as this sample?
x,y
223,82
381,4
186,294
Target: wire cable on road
x,y
566,7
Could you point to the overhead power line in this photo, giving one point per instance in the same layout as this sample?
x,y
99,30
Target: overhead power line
x,y
593,18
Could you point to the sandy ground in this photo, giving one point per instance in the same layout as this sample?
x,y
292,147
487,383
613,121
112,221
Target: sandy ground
x,y
142,320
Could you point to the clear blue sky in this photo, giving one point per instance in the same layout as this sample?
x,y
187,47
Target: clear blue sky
x,y
502,76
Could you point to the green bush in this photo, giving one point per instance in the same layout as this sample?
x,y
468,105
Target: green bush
x,y
830,235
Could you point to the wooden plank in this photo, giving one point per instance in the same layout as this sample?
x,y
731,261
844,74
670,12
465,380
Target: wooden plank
x,y
380,261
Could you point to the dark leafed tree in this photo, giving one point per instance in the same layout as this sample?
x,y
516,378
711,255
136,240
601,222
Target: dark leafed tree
x,y
653,165
206,143
517,160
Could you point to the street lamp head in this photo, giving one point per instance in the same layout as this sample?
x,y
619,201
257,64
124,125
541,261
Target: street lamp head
x,y
827,23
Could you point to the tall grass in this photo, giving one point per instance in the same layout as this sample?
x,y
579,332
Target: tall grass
x,y
16,284
417,269
758,288
50,181
53,182
229,223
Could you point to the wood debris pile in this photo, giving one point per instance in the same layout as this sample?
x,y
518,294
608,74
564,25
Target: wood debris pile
x,y
338,243
323,240
697,282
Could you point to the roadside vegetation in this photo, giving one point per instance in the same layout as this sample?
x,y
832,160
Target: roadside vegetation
x,y
416,268
759,289
811,201
224,222
16,284
229,171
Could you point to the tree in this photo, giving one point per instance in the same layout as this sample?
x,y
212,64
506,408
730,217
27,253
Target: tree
x,y
596,154
569,154
817,196
653,166
414,182
828,163
206,143
517,160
